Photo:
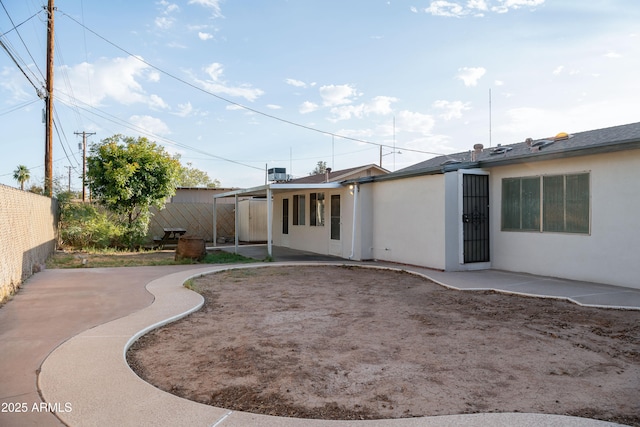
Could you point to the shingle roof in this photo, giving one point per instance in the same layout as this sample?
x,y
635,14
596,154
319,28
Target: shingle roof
x,y
334,176
581,143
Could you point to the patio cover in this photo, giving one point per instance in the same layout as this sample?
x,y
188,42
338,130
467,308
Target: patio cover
x,y
263,191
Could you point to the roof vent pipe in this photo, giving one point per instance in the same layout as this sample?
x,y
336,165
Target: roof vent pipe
x,y
326,174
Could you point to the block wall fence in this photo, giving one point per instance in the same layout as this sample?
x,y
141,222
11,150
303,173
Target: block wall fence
x,y
28,235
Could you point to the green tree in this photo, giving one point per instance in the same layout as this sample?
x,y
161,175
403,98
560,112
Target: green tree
x,y
22,175
193,177
128,176
321,167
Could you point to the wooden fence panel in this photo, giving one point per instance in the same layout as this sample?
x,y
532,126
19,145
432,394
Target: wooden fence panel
x,y
196,218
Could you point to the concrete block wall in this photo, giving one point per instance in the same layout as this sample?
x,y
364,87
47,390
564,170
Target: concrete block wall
x,y
28,233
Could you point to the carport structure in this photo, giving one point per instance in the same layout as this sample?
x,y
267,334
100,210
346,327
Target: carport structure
x,y
264,191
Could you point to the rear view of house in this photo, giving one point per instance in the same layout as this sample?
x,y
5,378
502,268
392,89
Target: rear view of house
x,y
565,205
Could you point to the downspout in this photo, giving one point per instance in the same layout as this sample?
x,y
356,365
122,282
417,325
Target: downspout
x,y
353,228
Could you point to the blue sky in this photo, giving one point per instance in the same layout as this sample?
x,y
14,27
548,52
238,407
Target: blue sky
x,y
412,74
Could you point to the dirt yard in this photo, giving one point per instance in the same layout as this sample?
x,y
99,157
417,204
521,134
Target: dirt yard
x,y
356,343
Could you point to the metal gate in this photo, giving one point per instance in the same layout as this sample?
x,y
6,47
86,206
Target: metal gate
x,y
475,218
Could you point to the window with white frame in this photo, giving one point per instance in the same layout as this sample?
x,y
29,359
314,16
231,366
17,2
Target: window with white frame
x,y
551,203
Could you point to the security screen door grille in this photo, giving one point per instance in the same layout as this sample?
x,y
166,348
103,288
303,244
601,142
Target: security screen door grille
x,y
475,218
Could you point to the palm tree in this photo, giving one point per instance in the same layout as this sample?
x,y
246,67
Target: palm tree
x,y
21,174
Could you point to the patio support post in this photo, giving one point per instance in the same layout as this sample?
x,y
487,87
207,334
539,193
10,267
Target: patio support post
x,y
269,223
353,228
215,223
236,216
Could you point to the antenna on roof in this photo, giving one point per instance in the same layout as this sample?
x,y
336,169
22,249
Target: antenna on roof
x,y
489,117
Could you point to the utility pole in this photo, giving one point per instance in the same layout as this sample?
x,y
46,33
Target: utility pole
x,y
69,169
84,159
48,146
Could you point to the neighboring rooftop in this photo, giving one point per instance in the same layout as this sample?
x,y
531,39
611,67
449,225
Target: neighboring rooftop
x,y
561,145
341,175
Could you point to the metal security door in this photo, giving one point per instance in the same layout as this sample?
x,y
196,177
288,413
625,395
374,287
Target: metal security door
x,y
475,218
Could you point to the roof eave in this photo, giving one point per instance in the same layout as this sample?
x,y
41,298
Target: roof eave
x,y
628,144
612,147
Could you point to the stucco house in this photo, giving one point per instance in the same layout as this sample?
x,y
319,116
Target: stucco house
x,y
563,206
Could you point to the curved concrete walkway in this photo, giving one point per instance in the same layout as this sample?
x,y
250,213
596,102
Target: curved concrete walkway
x,y
88,380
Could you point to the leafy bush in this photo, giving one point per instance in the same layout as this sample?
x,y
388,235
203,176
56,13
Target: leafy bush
x,y
82,225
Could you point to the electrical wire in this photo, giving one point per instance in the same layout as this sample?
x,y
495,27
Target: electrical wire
x,y
253,110
120,122
16,26
21,39
15,61
11,110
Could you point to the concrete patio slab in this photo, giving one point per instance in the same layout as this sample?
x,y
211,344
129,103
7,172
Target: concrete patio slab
x,y
583,293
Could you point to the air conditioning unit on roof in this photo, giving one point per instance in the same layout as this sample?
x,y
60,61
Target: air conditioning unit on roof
x,y
277,174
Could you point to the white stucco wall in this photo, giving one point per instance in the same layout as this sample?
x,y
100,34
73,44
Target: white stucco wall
x,y
609,254
408,221
315,238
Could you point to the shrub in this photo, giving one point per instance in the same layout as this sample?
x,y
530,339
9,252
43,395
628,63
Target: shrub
x,y
83,226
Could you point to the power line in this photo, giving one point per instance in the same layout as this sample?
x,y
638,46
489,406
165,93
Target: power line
x,y
15,27
11,110
15,61
253,110
126,124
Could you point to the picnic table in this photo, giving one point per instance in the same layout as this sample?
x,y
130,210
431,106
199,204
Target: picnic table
x,y
171,236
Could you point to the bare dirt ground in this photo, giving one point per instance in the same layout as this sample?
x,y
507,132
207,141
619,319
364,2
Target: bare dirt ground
x,y
356,343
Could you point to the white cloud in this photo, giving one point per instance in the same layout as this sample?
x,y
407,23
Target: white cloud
x,y
164,22
345,112
613,55
451,109
211,4
408,121
380,105
446,8
308,107
498,83
478,4
505,5
184,110
215,71
13,83
296,83
156,102
219,86
459,8
114,78
153,76
333,95
204,36
274,107
558,69
470,75
150,124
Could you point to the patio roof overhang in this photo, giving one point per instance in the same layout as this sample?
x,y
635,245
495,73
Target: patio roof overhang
x,y
263,191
